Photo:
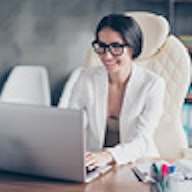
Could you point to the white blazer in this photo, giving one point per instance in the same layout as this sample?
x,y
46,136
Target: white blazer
x,y
140,112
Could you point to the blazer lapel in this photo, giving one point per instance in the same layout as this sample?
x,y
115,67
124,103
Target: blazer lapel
x,y
101,94
128,100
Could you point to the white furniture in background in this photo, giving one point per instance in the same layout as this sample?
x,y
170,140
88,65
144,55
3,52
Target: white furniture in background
x,y
27,85
64,99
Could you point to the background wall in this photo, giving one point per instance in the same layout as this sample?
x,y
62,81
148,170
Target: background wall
x,y
58,33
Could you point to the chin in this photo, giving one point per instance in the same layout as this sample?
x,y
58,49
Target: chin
x,y
112,68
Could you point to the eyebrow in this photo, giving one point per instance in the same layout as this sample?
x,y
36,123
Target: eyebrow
x,y
110,43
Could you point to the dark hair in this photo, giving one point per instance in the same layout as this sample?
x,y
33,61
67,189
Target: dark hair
x,y
127,27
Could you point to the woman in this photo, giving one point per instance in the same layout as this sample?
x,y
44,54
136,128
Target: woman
x,y
122,102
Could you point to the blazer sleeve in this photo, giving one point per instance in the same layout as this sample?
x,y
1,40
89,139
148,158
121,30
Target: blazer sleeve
x,y
139,144
76,100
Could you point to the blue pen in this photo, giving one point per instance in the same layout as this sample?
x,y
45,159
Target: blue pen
x,y
172,169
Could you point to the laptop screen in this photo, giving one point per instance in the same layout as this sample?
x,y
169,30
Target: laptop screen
x,y
43,141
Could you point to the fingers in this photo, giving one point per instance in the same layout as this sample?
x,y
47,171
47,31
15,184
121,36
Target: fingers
x,y
87,154
93,160
99,159
90,160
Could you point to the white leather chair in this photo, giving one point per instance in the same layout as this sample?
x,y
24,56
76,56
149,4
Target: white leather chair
x,y
27,85
164,54
64,99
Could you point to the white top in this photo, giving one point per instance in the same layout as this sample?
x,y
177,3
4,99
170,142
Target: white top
x,y
140,112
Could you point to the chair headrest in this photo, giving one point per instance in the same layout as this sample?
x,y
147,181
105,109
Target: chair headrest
x,y
155,30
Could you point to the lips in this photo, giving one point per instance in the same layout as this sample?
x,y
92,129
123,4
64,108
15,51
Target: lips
x,y
110,63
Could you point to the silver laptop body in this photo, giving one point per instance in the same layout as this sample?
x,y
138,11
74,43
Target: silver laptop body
x,y
43,141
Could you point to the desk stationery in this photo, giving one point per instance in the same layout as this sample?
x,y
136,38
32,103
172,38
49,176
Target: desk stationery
x,y
118,179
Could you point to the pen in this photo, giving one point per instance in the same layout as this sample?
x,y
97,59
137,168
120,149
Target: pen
x,y
164,172
156,168
164,169
156,172
172,169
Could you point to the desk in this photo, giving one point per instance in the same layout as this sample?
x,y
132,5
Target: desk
x,y
118,179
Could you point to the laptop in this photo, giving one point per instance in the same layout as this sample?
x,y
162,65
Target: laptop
x,y
44,141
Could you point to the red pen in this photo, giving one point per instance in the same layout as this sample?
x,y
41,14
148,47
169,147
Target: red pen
x,y
164,169
164,172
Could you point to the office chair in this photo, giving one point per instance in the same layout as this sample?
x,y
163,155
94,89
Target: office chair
x,y
66,94
164,54
27,85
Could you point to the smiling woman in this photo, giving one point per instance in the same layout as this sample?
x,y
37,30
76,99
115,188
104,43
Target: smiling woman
x,y
119,98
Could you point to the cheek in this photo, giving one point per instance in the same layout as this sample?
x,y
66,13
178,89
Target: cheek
x,y
126,59
101,58
128,55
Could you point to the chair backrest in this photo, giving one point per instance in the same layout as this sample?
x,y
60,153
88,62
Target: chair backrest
x,y
27,85
66,94
164,54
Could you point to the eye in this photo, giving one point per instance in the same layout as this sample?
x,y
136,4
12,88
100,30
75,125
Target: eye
x,y
116,45
101,44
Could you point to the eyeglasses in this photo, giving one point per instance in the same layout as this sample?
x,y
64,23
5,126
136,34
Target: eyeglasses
x,y
116,49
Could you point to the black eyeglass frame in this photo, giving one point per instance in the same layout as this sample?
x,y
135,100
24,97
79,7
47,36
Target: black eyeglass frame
x,y
109,47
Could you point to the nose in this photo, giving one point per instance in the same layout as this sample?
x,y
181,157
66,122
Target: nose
x,y
108,54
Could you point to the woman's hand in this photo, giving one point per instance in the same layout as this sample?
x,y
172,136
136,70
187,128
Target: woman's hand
x,y
93,160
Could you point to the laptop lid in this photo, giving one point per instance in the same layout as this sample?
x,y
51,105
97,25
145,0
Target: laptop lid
x,y
43,141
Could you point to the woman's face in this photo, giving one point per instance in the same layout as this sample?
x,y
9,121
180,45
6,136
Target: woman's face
x,y
113,63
